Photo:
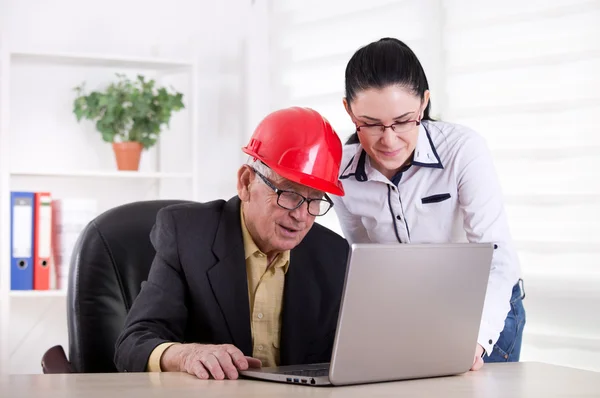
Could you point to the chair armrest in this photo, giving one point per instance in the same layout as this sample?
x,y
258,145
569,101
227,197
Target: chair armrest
x,y
55,361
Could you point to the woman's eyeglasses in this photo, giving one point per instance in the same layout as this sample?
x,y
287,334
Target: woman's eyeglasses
x,y
379,129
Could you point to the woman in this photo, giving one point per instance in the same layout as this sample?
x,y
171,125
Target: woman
x,y
410,179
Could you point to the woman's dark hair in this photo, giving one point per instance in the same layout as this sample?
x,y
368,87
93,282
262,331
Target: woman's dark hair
x,y
383,63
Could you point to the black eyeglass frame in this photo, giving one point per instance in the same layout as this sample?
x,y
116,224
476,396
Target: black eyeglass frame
x,y
279,192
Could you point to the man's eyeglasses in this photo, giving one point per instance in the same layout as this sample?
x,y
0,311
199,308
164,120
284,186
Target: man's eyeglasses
x,y
398,127
291,200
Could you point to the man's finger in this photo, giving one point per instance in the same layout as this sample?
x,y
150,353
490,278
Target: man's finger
x,y
211,363
226,364
199,370
238,358
254,362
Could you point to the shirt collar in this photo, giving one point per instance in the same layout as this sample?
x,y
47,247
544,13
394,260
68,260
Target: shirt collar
x,y
425,152
250,248
425,155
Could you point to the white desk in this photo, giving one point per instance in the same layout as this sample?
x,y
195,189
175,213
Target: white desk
x,y
512,380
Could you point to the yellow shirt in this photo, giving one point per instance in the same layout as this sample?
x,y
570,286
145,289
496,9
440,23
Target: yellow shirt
x,y
265,293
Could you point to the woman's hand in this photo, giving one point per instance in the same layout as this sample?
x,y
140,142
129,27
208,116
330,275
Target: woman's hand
x,y
478,361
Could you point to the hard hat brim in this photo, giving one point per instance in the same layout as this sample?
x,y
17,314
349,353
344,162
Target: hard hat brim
x,y
301,178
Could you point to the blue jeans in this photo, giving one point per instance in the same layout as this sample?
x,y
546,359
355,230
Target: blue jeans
x,y
508,346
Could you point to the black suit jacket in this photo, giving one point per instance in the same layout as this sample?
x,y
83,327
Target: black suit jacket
x,y
197,288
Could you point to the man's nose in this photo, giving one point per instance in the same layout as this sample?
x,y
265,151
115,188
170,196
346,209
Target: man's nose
x,y
301,212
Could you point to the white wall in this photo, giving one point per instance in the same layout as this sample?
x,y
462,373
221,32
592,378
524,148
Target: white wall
x,y
43,126
525,75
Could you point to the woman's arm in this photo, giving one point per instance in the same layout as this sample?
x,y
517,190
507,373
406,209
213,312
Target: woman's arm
x,y
480,199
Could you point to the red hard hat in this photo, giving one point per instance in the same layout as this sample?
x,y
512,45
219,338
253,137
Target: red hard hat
x,y
300,145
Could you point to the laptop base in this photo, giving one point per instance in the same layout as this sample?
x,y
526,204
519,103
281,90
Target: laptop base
x,y
310,375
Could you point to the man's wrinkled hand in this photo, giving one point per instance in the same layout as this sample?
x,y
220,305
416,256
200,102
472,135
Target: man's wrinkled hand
x,y
478,360
206,360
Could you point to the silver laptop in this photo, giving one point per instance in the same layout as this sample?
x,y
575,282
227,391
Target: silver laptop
x,y
408,311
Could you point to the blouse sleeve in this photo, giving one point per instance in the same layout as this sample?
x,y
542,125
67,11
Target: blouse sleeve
x,y
482,204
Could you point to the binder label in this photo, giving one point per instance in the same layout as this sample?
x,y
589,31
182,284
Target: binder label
x,y
22,229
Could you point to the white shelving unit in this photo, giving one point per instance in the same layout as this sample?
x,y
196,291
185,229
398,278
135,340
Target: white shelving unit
x,y
102,174
168,65
35,294
11,176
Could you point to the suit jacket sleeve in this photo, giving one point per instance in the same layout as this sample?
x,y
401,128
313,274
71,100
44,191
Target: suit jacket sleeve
x,y
159,313
339,256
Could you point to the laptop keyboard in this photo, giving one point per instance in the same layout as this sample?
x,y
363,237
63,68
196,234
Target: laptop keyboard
x,y
308,372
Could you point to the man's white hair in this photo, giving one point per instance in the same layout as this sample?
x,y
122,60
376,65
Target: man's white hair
x,y
262,168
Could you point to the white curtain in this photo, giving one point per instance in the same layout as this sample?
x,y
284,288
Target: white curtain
x,y
526,75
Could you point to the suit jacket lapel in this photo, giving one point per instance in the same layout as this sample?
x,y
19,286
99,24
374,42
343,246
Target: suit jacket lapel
x,y
228,278
300,308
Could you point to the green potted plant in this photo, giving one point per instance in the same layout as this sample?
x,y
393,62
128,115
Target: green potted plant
x,y
129,114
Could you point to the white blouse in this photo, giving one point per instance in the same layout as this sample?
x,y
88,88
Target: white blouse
x,y
450,193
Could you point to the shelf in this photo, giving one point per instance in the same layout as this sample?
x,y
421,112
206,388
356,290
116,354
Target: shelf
x,y
100,60
102,174
38,293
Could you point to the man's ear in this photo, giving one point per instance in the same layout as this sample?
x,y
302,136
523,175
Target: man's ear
x,y
244,178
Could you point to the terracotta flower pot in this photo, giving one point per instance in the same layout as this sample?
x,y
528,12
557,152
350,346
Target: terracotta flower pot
x,y
128,155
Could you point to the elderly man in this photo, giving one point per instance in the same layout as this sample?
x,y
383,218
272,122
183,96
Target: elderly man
x,y
252,280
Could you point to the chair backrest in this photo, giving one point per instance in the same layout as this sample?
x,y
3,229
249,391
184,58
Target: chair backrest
x,y
112,257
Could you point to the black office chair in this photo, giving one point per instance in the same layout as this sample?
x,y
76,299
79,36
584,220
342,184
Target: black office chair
x,y
111,259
